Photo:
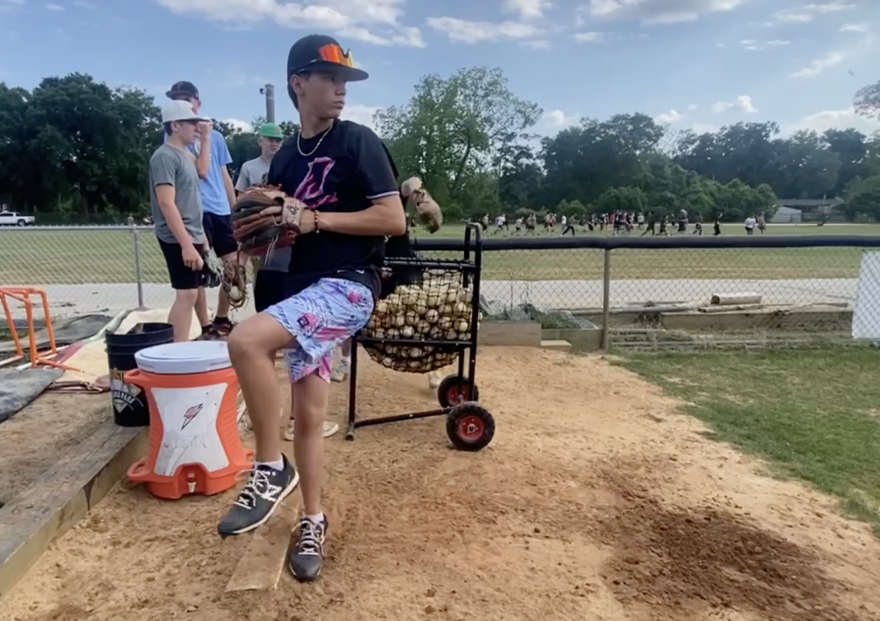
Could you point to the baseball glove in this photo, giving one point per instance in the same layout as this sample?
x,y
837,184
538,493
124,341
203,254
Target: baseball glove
x,y
229,274
265,218
427,209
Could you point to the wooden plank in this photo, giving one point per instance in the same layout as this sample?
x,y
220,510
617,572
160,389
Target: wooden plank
x,y
63,496
260,567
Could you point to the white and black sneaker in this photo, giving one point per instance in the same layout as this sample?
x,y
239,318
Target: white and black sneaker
x,y
266,487
306,557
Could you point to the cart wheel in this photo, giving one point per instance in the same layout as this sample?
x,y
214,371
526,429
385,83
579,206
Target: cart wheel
x,y
470,427
454,390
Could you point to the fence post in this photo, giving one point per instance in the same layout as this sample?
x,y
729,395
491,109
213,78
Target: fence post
x,y
137,264
606,300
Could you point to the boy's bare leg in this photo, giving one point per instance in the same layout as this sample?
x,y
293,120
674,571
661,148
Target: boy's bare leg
x,y
310,410
180,314
252,347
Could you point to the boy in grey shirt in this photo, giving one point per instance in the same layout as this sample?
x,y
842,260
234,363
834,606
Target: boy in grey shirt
x,y
269,287
176,204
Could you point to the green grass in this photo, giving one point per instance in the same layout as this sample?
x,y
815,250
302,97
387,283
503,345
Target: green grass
x,y
813,415
70,257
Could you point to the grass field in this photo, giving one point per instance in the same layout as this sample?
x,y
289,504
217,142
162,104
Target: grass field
x,y
812,415
72,257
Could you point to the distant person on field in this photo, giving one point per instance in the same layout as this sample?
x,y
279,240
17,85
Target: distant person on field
x,y
218,195
762,223
750,225
698,223
652,224
664,223
717,225
499,223
176,206
568,225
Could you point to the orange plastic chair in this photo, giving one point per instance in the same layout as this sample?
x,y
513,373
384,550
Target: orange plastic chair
x,y
23,295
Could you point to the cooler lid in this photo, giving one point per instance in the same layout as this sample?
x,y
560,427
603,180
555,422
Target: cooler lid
x,y
184,358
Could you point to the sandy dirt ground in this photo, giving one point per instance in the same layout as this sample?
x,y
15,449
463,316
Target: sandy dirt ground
x,y
595,501
35,438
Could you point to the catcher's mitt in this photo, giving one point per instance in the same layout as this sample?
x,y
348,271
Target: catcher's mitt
x,y
263,218
427,209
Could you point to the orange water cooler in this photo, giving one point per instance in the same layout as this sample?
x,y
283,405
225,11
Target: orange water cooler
x,y
192,392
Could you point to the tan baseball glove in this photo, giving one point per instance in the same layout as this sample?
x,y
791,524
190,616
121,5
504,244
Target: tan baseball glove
x,y
427,209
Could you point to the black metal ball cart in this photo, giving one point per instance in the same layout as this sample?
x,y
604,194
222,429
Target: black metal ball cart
x,y
470,426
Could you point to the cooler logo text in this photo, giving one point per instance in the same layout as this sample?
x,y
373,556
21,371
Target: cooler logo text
x,y
190,414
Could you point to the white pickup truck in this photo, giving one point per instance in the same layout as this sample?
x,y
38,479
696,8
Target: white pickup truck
x,y
12,218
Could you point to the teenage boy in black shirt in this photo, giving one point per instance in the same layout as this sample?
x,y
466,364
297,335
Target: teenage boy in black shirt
x,y
342,173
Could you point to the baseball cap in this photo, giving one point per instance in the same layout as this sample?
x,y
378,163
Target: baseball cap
x,y
180,111
319,52
182,89
271,130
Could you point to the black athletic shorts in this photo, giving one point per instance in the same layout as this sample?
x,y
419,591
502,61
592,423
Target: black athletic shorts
x,y
269,288
182,278
218,230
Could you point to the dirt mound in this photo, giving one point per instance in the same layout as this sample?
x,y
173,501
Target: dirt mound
x,y
687,560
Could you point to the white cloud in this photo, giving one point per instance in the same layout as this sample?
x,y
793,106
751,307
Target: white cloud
x,y
703,128
820,64
743,103
667,118
527,9
361,114
376,21
660,11
240,125
474,32
590,37
557,120
54,7
808,12
854,28
836,119
754,45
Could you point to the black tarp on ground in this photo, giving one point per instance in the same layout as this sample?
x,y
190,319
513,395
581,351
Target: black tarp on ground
x,y
18,387
67,331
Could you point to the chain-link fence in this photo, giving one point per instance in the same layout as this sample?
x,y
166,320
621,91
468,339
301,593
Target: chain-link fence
x,y
679,291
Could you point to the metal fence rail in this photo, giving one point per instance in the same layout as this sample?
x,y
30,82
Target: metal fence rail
x,y
639,291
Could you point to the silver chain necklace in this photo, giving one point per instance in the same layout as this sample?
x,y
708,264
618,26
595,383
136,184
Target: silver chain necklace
x,y
310,153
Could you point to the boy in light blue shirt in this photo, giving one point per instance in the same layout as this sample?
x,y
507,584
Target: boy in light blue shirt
x,y
212,158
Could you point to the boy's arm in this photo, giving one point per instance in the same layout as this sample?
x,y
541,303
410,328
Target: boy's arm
x,y
203,161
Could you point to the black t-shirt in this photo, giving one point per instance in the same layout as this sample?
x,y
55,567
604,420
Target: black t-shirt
x,y
344,173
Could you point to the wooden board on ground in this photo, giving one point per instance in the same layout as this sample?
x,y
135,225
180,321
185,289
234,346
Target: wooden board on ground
x,y
63,495
259,569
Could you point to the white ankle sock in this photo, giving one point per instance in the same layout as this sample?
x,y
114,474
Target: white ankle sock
x,y
318,518
275,465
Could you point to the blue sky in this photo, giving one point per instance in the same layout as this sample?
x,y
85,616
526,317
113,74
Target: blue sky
x,y
693,63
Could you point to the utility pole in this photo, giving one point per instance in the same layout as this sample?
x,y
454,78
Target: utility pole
x,y
269,92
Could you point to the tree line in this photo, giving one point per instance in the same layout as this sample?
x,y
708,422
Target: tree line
x,y
76,150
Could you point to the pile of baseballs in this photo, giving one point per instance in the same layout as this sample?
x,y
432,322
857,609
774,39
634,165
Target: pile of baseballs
x,y
437,309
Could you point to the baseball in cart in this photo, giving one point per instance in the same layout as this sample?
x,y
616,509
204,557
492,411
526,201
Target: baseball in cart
x,y
426,325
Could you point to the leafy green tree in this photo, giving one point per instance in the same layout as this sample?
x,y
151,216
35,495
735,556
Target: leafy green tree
x,y
454,129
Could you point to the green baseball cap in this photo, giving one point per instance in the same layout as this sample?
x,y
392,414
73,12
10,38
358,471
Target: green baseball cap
x,y
271,130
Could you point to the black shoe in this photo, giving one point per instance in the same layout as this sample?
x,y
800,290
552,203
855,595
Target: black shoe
x,y
306,557
263,492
